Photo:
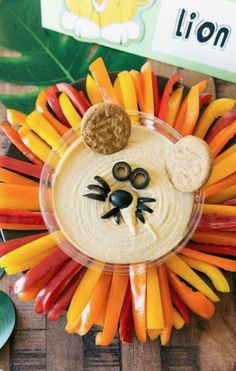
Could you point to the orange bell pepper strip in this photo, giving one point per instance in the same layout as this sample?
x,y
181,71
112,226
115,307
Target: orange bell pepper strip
x,y
195,300
118,92
21,167
138,281
147,88
128,93
15,117
116,298
162,113
222,184
225,154
215,237
155,320
226,210
223,169
136,76
156,93
181,115
214,273
217,108
179,267
100,319
174,103
226,264
92,90
34,143
53,102
166,303
32,292
126,327
92,309
22,227
15,196
10,177
178,321
69,111
41,106
81,297
222,138
18,142
224,121
102,79
224,195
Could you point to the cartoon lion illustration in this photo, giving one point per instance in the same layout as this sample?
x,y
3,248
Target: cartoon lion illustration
x,y
111,20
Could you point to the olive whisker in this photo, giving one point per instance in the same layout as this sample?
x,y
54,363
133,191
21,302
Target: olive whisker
x,y
140,216
95,196
110,213
97,188
142,207
103,183
117,217
142,200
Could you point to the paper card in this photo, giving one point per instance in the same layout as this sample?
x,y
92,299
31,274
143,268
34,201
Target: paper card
x,y
199,35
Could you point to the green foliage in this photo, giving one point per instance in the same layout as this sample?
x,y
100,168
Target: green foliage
x,y
7,318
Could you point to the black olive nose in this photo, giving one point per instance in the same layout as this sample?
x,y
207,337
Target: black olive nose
x,y
121,199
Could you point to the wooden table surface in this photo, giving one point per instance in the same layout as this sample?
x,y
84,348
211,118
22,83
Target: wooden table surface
x,y
38,344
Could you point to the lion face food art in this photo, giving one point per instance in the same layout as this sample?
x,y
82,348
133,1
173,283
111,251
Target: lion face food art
x,y
111,20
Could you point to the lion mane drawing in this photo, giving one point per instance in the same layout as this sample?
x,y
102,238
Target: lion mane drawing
x,y
111,20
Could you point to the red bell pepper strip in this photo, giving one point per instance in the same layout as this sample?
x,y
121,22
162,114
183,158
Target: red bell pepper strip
x,y
8,246
21,166
216,221
65,297
213,249
180,305
53,101
205,98
126,328
54,261
225,120
17,141
166,95
156,93
77,97
48,295
231,202
13,216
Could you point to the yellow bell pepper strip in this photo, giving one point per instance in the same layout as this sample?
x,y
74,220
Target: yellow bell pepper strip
x,y
217,108
65,297
73,117
147,88
41,106
178,321
92,309
213,249
77,97
225,154
21,217
10,245
81,297
18,142
34,143
126,327
32,292
37,122
179,267
224,121
118,92
28,251
226,264
226,196
215,237
9,177
128,93
27,264
222,138
180,306
138,281
156,93
92,91
21,167
136,76
219,186
225,210
174,103
15,117
166,303
102,79
223,169
53,102
169,87
195,300
22,197
214,273
153,334
155,320
116,298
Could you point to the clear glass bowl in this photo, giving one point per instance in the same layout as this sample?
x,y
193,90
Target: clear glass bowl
x,y
49,217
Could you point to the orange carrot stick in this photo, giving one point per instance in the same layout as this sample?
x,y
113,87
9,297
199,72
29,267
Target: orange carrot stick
x,y
220,140
215,237
222,184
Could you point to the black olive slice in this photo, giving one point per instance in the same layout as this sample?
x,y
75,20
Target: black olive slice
x,y
95,196
97,188
117,216
121,198
110,213
139,178
140,216
103,183
121,171
143,207
142,200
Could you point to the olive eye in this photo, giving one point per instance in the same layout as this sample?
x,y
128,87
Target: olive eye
x,y
139,178
121,171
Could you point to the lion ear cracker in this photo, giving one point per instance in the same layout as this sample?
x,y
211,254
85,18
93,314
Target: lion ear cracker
x,y
189,164
106,128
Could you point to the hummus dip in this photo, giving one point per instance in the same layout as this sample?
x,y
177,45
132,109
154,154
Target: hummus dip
x,y
80,218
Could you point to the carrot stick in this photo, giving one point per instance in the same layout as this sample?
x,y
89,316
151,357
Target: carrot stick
x,y
215,237
220,140
7,176
214,188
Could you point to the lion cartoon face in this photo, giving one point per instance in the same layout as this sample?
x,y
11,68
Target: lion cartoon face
x,y
111,20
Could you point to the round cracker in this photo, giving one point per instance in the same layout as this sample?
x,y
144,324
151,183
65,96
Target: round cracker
x,y
189,164
106,128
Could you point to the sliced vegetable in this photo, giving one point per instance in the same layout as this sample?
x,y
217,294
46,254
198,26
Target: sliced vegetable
x,y
10,245
136,76
213,249
224,121
174,103
15,117
155,320
180,305
21,217
21,166
163,110
7,176
221,185
118,92
15,196
72,116
156,94
126,327
225,154
31,293
222,138
92,90
223,168
215,237
34,143
147,88
178,321
205,98
53,101
128,92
